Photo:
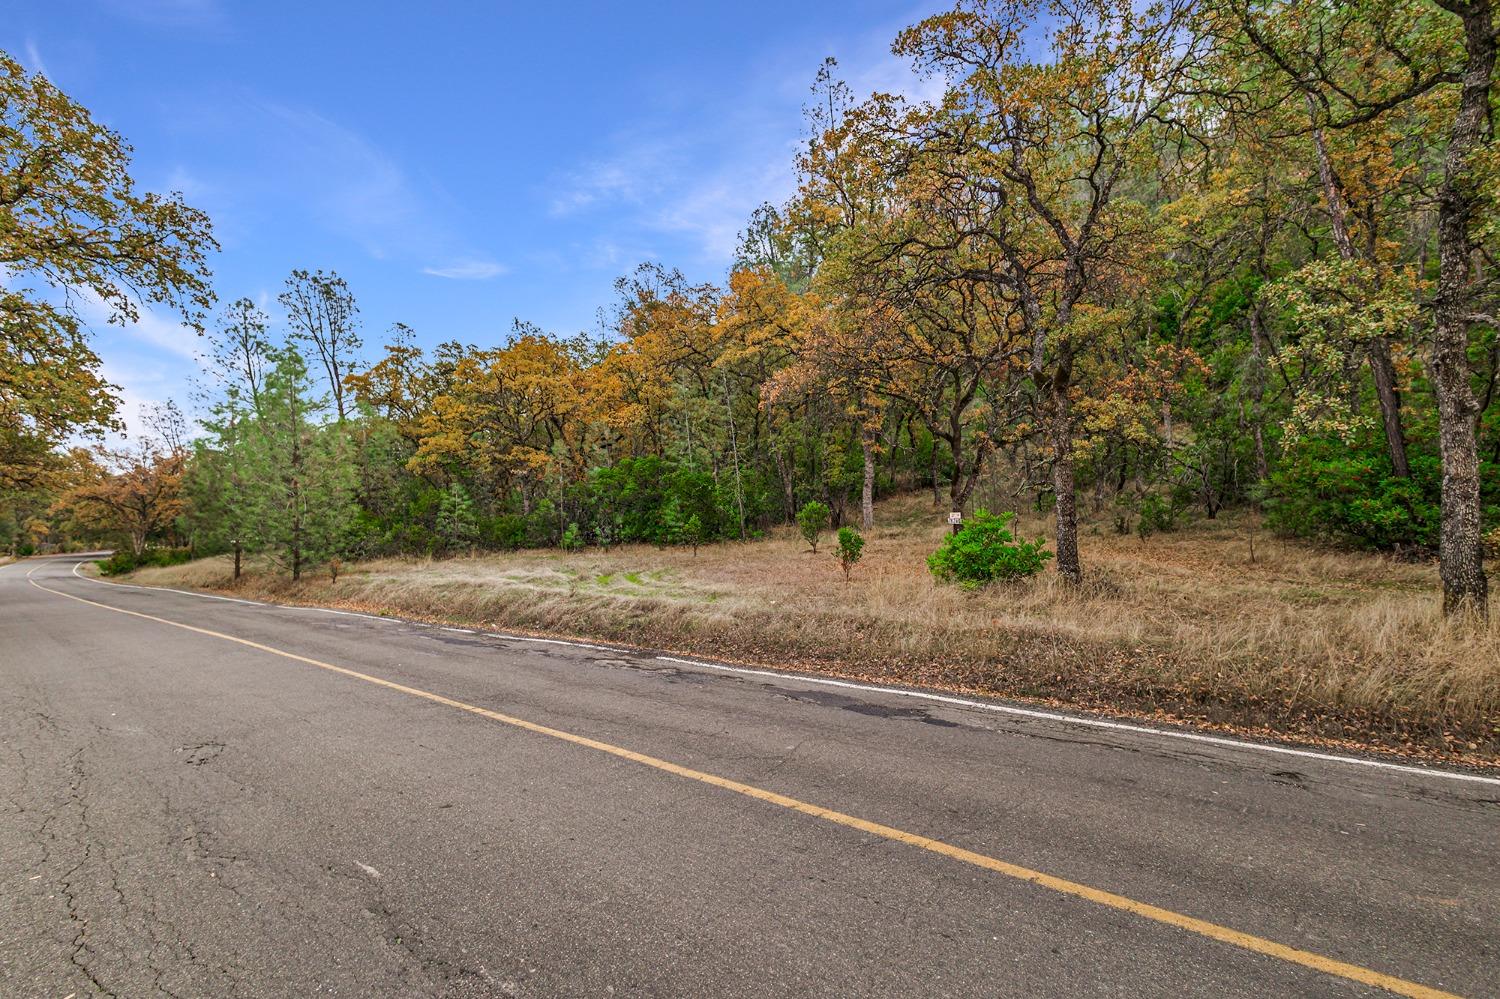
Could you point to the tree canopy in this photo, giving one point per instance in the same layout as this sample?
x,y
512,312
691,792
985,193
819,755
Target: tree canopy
x,y
1134,262
75,232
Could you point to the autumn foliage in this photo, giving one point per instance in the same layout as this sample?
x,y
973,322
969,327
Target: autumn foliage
x,y
1136,262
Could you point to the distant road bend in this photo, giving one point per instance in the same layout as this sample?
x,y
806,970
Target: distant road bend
x,y
207,797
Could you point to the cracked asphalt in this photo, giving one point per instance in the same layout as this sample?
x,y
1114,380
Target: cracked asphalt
x,y
183,816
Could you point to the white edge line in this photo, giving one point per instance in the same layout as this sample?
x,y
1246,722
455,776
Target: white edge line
x,y
342,613
133,586
559,641
1007,709
1093,722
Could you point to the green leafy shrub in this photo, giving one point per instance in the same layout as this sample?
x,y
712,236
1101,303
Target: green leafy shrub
x,y
606,530
507,531
1331,491
572,539
542,525
811,520
1155,515
984,550
649,499
117,563
851,548
127,561
633,489
692,532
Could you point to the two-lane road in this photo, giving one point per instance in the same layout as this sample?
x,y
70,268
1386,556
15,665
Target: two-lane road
x,y
202,797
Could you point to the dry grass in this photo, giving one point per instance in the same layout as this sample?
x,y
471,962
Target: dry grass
x,y
1343,647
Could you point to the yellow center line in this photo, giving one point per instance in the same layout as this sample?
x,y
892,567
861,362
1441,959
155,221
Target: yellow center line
x,y
1213,931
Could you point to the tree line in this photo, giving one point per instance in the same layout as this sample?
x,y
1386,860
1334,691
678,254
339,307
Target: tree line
x,y
1194,254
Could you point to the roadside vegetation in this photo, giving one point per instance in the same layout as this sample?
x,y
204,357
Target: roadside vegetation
x,y
1188,310
1218,622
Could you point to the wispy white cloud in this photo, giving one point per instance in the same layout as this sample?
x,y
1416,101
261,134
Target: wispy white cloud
x,y
468,270
281,159
189,184
152,327
347,181
151,362
166,333
713,207
140,388
34,61
888,74
604,253
703,183
627,174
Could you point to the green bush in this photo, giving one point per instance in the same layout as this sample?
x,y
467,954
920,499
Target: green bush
x,y
811,520
851,548
984,550
606,530
117,563
633,489
648,499
1331,491
1155,514
692,532
126,561
572,539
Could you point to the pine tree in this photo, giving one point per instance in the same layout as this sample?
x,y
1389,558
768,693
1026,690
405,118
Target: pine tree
x,y
306,471
457,523
221,493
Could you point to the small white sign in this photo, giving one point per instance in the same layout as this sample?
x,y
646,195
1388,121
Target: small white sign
x,y
956,517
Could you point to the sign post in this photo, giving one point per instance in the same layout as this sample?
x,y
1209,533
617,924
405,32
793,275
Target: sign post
x,y
956,520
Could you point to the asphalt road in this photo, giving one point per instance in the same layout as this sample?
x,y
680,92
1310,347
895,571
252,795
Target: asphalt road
x,y
336,805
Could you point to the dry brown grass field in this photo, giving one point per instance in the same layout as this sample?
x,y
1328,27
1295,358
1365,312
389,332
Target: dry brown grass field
x,y
1220,623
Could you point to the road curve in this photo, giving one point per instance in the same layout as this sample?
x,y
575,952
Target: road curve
x,y
211,798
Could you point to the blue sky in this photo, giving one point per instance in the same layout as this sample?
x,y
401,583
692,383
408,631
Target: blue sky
x,y
460,164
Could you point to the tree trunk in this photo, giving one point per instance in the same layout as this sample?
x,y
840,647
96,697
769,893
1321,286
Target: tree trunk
x,y
788,486
1068,564
297,502
296,533
1384,371
1101,481
1262,468
1379,348
937,497
1461,544
734,449
236,560
962,485
1258,354
867,494
837,503
1461,552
